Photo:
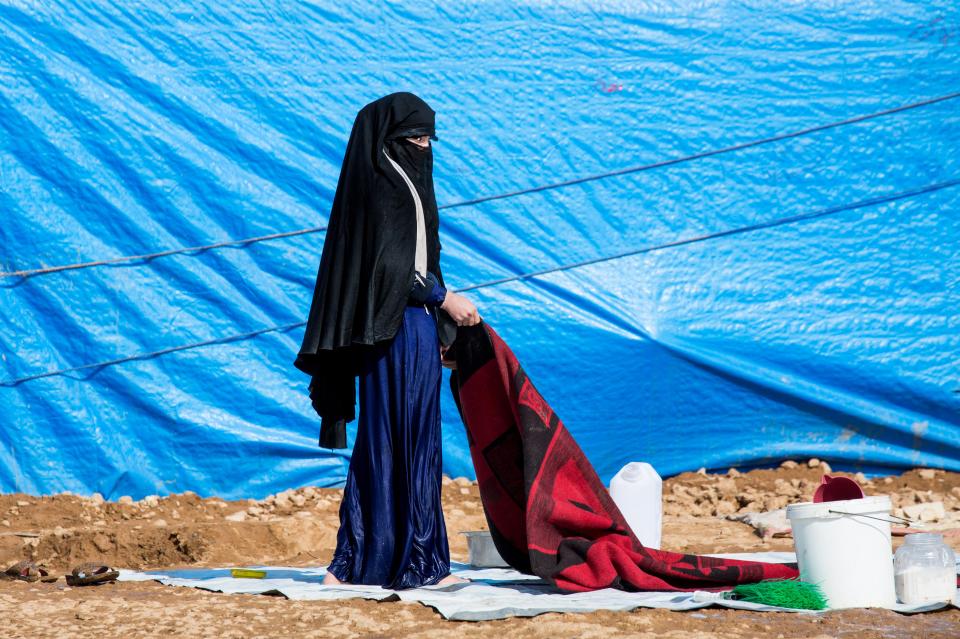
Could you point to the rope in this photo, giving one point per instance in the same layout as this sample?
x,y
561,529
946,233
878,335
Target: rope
x,y
501,196
930,188
150,256
712,153
151,355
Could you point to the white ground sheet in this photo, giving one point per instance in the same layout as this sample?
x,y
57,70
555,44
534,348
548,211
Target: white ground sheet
x,y
493,593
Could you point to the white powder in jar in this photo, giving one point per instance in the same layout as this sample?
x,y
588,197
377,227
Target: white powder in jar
x,y
917,585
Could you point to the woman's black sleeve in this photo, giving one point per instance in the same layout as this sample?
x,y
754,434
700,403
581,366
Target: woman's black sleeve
x,y
333,396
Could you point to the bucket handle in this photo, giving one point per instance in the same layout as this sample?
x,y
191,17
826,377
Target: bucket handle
x,y
904,520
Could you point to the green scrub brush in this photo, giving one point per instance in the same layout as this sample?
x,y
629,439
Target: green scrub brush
x,y
783,593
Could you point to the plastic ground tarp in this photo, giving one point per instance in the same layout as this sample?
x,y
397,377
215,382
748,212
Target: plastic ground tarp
x,y
134,128
494,593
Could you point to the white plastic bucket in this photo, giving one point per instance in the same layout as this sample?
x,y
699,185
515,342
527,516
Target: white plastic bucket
x,y
637,490
844,547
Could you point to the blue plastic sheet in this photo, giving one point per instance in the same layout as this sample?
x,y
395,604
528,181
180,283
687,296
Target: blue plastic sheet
x,y
130,128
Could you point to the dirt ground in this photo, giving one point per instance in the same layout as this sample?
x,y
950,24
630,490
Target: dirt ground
x,y
298,527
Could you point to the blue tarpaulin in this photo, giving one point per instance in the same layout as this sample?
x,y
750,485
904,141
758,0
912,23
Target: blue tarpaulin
x,y
790,299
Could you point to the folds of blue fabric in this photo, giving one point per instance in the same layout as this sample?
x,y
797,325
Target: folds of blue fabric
x,y
392,531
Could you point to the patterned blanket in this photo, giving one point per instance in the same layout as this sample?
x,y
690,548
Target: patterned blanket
x,y
548,512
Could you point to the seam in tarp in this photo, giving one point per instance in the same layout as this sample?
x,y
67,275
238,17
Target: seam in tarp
x,y
930,188
501,196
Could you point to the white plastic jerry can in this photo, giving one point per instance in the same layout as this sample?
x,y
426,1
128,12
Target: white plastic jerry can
x,y
637,490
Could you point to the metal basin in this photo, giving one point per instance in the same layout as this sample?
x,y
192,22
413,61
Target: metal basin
x,y
483,554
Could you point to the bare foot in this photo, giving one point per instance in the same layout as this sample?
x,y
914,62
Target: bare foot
x,y
330,580
449,580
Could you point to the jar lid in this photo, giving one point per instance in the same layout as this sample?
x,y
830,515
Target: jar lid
x,y
923,538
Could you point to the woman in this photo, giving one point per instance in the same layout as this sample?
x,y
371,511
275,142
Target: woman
x,y
381,312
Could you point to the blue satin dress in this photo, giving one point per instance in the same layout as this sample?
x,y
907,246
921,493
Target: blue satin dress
x,y
392,531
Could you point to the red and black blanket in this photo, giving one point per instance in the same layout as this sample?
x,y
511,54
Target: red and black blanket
x,y
548,512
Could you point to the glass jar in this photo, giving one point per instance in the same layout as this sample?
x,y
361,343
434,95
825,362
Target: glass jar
x,y
925,569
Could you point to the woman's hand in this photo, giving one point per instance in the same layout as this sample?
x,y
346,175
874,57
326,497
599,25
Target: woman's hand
x,y
460,309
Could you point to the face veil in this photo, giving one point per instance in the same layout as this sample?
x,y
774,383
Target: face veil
x,y
417,163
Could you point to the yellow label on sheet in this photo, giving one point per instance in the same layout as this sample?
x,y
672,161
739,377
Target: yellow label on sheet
x,y
243,573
